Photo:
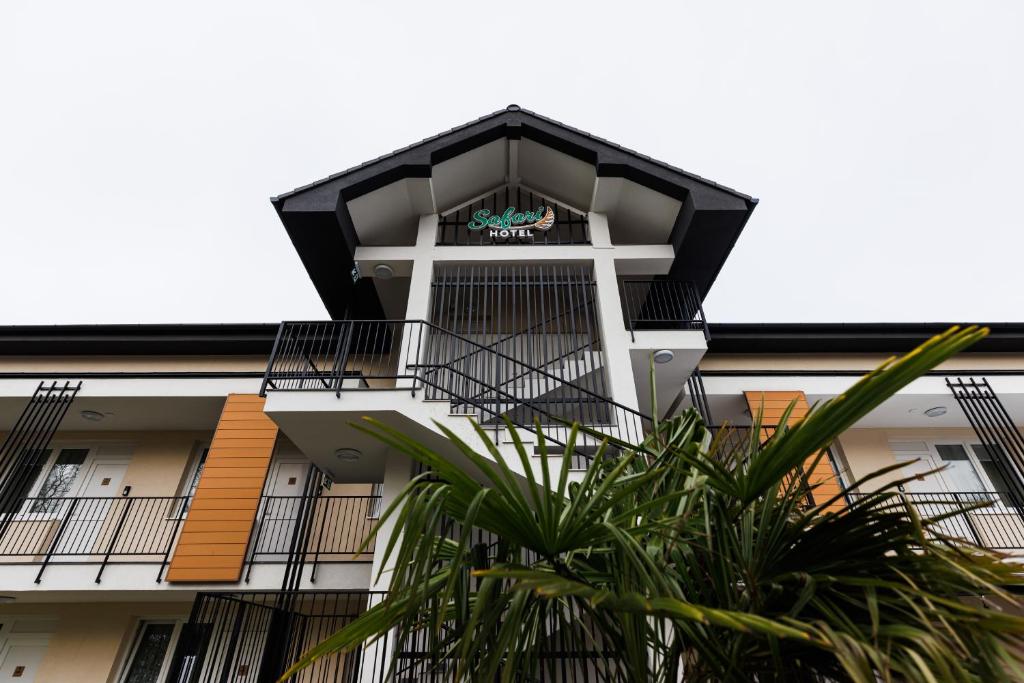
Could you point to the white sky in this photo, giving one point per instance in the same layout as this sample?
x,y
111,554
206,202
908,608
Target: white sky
x,y
139,142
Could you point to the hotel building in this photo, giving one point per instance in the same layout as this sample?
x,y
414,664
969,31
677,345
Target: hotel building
x,y
185,502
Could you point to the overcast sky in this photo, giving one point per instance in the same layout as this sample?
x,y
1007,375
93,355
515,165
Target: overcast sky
x,y
139,142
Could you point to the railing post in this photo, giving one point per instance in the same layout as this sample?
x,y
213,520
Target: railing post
x,y
113,539
271,360
264,503
341,356
967,520
626,296
319,537
174,534
56,539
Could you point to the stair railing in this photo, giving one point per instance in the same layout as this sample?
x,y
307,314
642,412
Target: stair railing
x,y
413,354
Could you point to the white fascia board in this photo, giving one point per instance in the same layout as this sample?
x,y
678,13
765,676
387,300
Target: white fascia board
x,y
142,387
647,252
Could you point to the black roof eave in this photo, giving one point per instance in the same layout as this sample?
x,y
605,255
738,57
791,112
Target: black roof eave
x,y
764,338
514,122
318,223
258,338
138,340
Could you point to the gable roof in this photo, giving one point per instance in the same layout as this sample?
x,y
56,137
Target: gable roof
x,y
316,216
512,115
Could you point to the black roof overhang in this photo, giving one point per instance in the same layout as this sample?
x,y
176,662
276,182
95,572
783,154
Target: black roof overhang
x,y
255,339
802,338
318,222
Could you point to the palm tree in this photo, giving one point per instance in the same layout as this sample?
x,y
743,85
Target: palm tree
x,y
678,559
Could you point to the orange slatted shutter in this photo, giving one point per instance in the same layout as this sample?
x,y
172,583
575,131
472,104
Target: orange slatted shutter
x,y
215,535
774,405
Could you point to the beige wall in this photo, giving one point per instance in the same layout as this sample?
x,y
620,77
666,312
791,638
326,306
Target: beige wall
x,y
867,450
90,640
159,459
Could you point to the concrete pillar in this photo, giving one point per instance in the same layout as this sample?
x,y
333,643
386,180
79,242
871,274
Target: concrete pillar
x,y
397,473
417,306
618,368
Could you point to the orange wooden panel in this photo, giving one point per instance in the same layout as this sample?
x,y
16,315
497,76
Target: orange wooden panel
x,y
204,575
237,472
230,462
224,494
215,535
241,425
220,537
210,549
238,442
248,503
213,561
229,450
771,406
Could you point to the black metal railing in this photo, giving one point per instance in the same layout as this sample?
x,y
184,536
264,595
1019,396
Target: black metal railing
x,y
571,650
570,227
478,379
254,637
662,305
979,517
338,525
1003,441
24,449
84,530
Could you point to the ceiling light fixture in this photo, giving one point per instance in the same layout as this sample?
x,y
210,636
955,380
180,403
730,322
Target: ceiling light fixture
x,y
936,411
663,356
348,454
383,271
92,415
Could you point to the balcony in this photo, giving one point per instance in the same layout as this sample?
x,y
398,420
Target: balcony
x,y
92,531
255,636
476,377
662,305
517,217
982,518
100,532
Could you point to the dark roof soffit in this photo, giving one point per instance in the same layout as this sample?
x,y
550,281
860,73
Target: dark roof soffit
x,y
762,338
198,339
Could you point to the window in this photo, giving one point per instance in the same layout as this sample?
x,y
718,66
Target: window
x,y
17,487
197,473
59,479
992,470
373,511
191,483
969,467
960,474
149,653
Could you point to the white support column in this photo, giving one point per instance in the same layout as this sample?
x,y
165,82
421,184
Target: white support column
x,y
615,337
397,472
417,306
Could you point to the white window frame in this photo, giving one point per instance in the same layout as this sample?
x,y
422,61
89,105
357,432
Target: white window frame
x,y
942,483
199,457
130,653
44,472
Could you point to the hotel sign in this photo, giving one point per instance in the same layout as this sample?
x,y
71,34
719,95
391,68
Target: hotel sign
x,y
512,223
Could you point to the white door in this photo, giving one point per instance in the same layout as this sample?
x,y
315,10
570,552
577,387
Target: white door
x,y
280,509
918,466
20,659
100,502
